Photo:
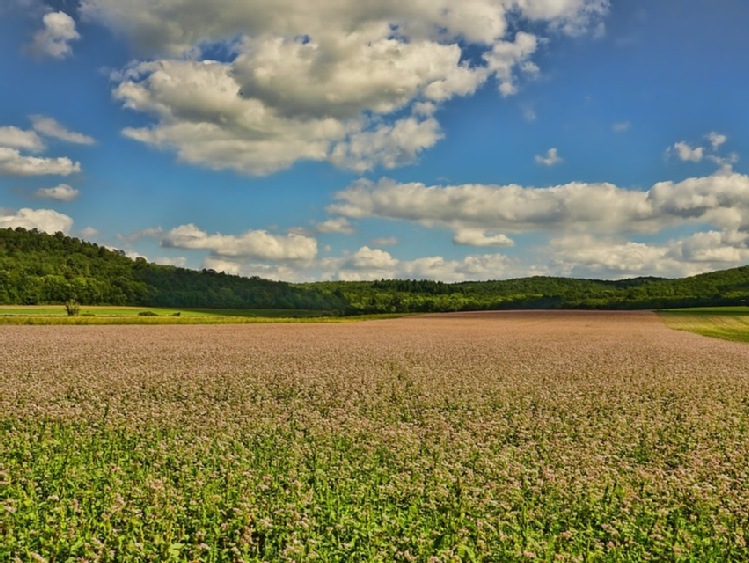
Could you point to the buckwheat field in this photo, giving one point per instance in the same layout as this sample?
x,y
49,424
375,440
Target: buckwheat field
x,y
466,437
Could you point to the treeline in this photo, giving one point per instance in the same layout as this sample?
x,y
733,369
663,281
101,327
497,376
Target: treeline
x,y
37,268
728,287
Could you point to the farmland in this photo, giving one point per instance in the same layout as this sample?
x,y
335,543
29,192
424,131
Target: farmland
x,y
98,315
486,436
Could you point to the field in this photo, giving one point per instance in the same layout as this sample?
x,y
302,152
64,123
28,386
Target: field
x,y
728,323
51,314
571,436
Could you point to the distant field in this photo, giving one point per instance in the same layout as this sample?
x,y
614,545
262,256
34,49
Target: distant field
x,y
728,323
494,436
45,314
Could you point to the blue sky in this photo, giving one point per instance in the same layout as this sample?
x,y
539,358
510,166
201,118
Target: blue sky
x,y
437,139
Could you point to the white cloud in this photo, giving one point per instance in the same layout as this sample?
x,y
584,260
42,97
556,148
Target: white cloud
x,y
507,208
337,225
588,224
15,138
257,244
176,26
365,264
481,237
591,256
387,145
506,56
13,163
621,126
351,83
482,267
716,139
722,200
550,158
45,220
281,272
685,153
54,40
373,264
371,258
61,192
51,128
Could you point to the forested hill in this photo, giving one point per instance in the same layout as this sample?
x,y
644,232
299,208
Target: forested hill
x,y
38,268
728,287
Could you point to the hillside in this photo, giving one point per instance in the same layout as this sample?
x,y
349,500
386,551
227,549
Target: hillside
x,y
728,287
37,268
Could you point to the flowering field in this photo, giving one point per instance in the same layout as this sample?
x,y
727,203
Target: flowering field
x,y
465,437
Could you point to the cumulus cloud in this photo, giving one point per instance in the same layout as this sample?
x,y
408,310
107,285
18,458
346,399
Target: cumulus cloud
x,y
338,225
387,145
45,220
716,139
371,258
61,192
482,267
50,127
550,158
274,271
481,237
507,56
258,244
591,256
721,200
349,83
372,264
685,153
592,227
365,264
13,163
505,208
54,40
16,138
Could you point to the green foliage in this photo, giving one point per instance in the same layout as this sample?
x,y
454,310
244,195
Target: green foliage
x,y
725,288
72,308
36,268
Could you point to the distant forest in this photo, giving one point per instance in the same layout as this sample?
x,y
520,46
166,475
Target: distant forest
x,y
37,268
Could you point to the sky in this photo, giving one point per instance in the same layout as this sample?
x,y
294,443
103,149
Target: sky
x,y
346,140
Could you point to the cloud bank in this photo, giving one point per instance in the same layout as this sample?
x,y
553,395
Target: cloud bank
x,y
354,84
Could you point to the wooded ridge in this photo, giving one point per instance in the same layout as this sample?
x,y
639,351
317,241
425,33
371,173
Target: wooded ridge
x,y
37,268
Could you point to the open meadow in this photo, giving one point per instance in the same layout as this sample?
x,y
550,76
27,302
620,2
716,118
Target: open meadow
x,y
496,436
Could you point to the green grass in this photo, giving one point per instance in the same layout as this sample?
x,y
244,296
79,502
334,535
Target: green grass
x,y
727,323
50,314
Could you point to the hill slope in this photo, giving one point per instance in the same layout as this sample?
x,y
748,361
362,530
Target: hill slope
x,y
40,268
